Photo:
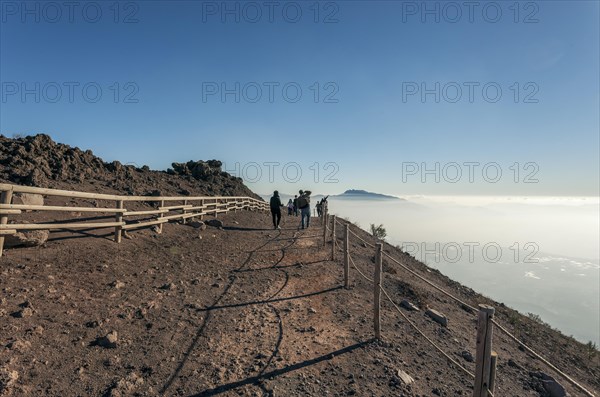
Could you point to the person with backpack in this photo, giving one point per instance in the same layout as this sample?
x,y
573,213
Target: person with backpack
x,y
290,207
276,205
304,206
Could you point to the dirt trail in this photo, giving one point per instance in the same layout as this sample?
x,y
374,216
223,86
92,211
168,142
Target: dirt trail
x,y
245,310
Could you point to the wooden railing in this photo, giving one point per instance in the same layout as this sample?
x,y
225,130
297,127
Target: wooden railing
x,y
191,206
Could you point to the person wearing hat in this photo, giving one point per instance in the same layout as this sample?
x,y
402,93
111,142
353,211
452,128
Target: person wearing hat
x,y
276,205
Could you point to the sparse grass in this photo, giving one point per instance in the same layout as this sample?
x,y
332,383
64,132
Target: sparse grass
x,y
537,319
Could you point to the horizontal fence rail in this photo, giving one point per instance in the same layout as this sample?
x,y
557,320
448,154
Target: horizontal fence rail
x,y
191,207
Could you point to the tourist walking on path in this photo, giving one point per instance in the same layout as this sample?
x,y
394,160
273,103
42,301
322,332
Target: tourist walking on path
x,y
290,207
304,206
276,205
296,205
319,208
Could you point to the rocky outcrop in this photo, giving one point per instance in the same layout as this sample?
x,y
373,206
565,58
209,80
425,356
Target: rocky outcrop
x,y
39,161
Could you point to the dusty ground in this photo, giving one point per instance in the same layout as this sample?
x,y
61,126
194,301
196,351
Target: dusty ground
x,y
245,310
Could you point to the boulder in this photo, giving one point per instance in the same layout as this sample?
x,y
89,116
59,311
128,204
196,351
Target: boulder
x,y
406,378
437,317
554,388
25,312
467,356
408,305
32,238
214,223
551,386
109,341
28,199
197,225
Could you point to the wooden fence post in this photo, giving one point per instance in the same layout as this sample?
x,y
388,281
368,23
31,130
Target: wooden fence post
x,y
184,211
202,210
325,224
493,372
483,358
5,198
118,218
160,225
377,291
333,239
346,256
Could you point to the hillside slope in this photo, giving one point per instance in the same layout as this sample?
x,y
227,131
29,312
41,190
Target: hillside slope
x,y
244,310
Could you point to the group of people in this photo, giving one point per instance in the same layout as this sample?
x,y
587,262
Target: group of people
x,y
300,203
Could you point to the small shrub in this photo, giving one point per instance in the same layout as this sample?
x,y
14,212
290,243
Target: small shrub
x,y
592,349
378,232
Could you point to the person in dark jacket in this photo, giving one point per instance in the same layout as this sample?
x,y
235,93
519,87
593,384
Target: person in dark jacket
x,y
276,205
304,205
295,205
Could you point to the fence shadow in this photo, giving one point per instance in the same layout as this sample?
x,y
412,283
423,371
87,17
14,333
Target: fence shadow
x,y
278,372
272,300
210,309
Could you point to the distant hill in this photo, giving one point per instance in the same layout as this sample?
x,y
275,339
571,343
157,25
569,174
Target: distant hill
x,y
352,194
364,195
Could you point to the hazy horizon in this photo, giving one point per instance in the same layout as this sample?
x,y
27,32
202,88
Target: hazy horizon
x,y
539,258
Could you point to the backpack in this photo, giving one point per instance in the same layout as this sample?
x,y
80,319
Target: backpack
x,y
303,202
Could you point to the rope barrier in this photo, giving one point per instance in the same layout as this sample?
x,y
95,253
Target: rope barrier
x,y
530,350
432,284
425,336
567,377
358,270
464,304
474,310
358,237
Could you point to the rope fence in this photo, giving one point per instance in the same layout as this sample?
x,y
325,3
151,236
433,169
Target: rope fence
x,y
485,360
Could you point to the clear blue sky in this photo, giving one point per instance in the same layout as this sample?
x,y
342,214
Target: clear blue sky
x,y
365,61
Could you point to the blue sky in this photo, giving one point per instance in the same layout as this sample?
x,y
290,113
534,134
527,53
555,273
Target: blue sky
x,y
358,119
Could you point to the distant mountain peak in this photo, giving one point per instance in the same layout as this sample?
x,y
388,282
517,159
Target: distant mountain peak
x,y
363,194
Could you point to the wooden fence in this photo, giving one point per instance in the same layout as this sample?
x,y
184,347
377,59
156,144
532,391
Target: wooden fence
x,y
186,207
